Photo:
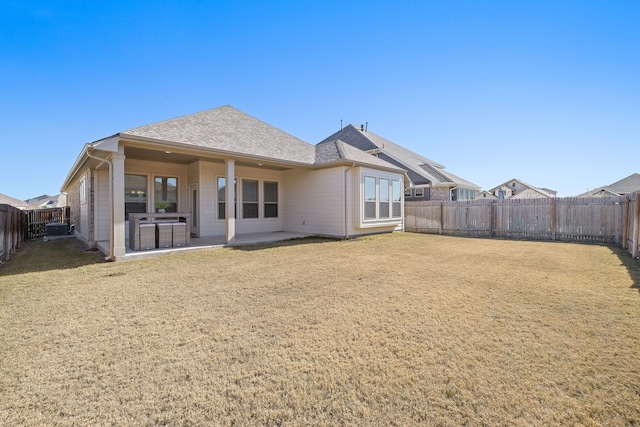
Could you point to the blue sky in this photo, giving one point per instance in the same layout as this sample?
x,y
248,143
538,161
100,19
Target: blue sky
x,y
544,91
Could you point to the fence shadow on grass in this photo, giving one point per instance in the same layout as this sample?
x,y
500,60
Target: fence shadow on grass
x,y
59,254
632,265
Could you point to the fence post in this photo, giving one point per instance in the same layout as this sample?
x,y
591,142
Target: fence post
x,y
554,219
625,222
491,217
441,217
8,238
636,226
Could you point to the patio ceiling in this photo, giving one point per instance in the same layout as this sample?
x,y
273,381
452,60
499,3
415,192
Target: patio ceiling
x,y
187,158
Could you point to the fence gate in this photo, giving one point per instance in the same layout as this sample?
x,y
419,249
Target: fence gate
x,y
39,218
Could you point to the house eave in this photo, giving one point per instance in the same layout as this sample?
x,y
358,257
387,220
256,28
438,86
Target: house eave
x,y
159,144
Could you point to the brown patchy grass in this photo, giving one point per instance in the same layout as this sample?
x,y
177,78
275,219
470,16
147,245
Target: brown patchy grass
x,y
400,329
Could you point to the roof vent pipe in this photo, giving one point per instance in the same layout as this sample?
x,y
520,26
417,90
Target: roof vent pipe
x,y
340,124
361,128
366,126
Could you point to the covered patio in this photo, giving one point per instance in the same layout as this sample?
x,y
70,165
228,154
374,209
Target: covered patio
x,y
199,243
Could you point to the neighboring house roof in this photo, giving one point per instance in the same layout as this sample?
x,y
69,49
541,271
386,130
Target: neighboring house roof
x,y
7,200
627,185
420,170
46,201
38,200
334,151
544,192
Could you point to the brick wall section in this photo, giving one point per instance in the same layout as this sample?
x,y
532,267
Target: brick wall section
x,y
73,201
440,193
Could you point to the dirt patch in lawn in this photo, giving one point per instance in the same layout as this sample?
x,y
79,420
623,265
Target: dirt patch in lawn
x,y
400,329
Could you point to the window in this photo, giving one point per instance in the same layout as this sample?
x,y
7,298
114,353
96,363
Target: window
x,y
465,194
83,190
222,188
369,197
407,192
396,198
419,192
384,198
270,199
249,198
166,189
135,194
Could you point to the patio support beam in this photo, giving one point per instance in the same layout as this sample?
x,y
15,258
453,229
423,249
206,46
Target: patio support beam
x,y
230,198
117,177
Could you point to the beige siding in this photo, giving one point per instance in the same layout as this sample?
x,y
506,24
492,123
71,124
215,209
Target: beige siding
x,y
210,225
314,201
193,178
102,210
529,193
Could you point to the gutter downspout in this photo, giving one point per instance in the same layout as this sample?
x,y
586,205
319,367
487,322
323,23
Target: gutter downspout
x,y
109,257
451,193
346,235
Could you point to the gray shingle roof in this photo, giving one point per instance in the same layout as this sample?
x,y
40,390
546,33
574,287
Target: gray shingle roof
x,y
334,151
227,129
627,185
8,200
421,169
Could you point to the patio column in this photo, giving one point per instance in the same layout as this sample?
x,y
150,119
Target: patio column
x,y
230,198
117,200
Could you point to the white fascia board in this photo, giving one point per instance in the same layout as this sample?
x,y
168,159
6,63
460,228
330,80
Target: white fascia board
x,y
107,144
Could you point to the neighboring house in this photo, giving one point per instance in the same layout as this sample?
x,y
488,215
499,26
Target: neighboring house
x,y
7,200
516,189
485,194
281,183
46,201
427,180
627,185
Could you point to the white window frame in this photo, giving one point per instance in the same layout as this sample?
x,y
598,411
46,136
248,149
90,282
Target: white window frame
x,y
252,202
83,190
148,186
153,188
265,202
381,195
379,177
217,198
368,200
239,202
396,202
418,192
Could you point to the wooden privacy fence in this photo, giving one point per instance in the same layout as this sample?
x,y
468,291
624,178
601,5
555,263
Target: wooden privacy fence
x,y
13,223
607,219
39,218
